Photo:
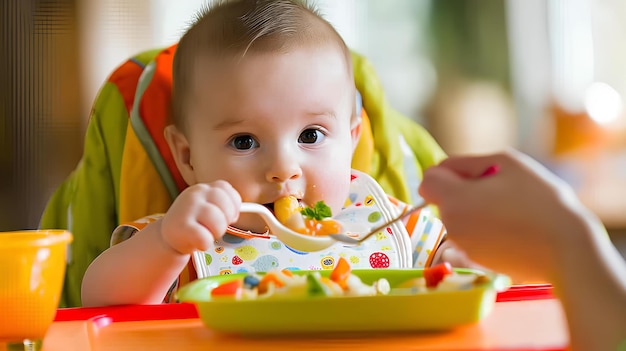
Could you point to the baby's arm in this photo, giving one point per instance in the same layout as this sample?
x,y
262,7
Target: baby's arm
x,y
141,269
526,222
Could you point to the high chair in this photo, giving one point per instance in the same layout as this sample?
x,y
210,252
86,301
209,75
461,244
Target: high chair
x,y
127,171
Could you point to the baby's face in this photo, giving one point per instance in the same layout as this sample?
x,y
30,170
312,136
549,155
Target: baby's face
x,y
275,124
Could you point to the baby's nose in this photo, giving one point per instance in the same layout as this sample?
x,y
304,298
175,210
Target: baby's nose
x,y
283,168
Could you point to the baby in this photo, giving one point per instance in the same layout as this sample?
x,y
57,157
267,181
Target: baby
x,y
263,107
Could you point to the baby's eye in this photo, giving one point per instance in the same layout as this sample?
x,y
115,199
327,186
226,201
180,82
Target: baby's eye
x,y
244,142
311,136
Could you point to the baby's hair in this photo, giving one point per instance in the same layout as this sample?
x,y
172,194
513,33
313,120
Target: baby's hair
x,y
235,28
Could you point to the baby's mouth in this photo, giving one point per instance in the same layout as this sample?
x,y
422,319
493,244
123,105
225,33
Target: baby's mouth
x,y
254,223
270,206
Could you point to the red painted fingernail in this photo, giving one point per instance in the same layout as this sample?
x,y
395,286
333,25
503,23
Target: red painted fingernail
x,y
491,170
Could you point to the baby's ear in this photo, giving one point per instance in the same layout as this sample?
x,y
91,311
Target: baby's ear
x,y
355,131
179,146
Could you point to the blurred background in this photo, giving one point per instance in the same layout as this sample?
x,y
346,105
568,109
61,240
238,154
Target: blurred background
x,y
546,77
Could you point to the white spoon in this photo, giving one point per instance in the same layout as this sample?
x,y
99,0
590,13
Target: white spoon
x,y
303,242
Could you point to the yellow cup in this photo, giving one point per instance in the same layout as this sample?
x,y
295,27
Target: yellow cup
x,y
32,270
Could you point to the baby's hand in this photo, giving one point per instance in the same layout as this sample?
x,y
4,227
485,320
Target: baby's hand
x,y
199,215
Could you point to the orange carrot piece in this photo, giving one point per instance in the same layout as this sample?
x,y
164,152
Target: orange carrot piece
x,y
267,279
341,272
232,288
329,226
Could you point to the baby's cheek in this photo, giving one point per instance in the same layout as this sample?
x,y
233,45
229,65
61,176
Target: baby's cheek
x,y
330,179
337,192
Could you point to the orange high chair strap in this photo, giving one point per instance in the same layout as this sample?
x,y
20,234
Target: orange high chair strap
x,y
149,179
150,116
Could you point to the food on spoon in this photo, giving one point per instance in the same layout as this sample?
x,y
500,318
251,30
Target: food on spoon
x,y
287,211
314,220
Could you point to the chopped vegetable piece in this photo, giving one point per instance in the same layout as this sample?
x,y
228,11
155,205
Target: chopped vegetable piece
x,y
232,288
285,207
330,226
382,286
321,227
436,273
319,211
315,286
250,281
341,272
270,278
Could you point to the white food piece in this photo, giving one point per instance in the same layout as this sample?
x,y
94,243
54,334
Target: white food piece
x,y
295,222
382,286
455,282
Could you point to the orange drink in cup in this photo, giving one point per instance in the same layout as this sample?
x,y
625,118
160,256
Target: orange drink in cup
x,y
32,270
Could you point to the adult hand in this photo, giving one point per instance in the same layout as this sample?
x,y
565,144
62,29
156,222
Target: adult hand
x,y
512,221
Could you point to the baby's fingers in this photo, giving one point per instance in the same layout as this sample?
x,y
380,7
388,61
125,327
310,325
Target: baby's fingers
x,y
211,223
200,215
226,198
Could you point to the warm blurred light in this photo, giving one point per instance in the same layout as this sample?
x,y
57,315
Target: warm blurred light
x,y
603,103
